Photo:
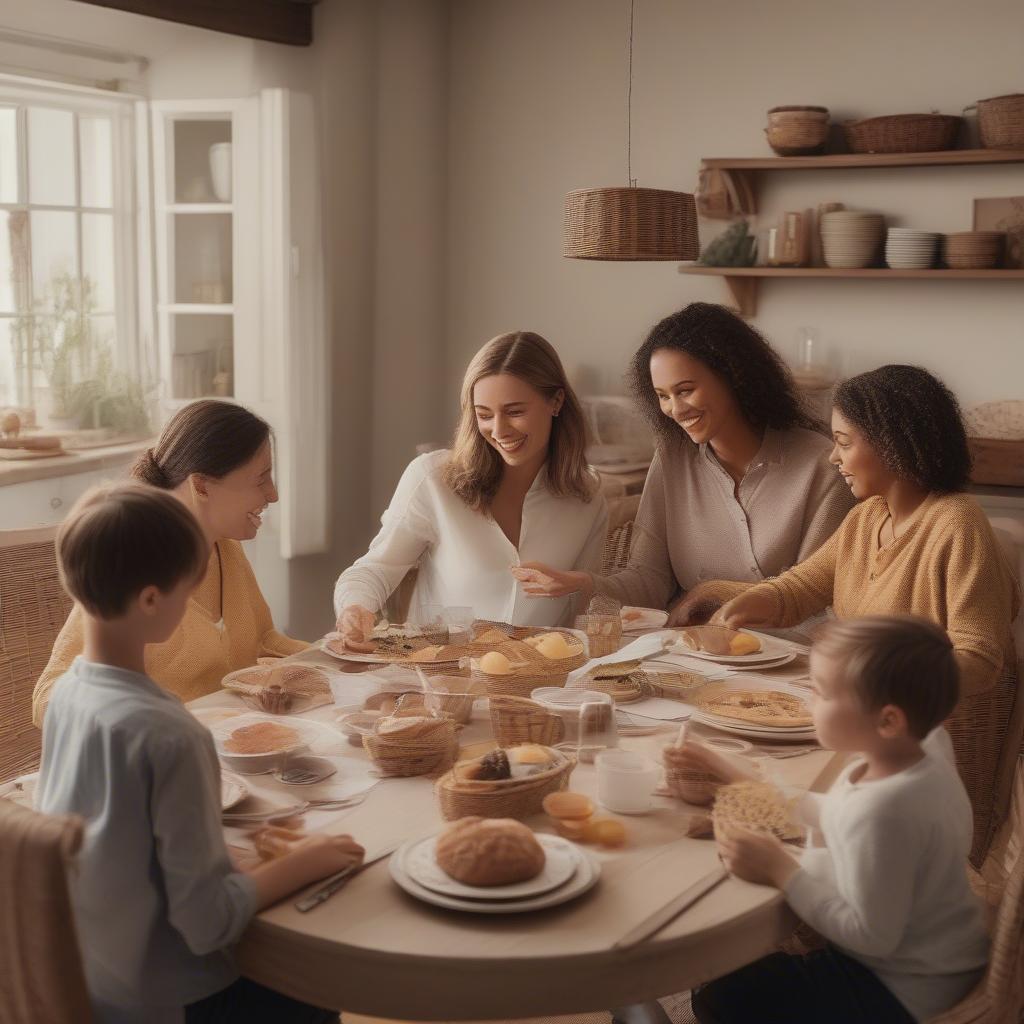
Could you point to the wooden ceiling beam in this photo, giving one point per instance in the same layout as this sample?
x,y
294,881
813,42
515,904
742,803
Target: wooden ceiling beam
x,y
277,21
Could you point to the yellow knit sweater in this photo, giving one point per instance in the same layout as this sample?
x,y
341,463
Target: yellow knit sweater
x,y
947,567
201,652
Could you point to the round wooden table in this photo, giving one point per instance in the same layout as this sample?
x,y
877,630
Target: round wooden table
x,y
375,950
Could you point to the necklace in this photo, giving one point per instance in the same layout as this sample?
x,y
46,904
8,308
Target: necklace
x,y
220,578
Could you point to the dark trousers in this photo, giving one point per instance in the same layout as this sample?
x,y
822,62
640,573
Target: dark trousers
x,y
245,1002
824,986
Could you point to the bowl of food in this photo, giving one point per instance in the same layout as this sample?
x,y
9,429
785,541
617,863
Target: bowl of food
x,y
253,744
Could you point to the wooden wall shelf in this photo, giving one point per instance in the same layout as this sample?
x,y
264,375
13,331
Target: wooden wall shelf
x,y
743,282
745,172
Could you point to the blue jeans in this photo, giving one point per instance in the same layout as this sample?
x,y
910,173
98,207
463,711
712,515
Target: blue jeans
x,y
245,1002
824,986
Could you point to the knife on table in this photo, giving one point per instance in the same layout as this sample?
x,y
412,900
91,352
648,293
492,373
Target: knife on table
x,y
332,884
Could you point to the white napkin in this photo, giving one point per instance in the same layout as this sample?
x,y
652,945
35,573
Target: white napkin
x,y
642,647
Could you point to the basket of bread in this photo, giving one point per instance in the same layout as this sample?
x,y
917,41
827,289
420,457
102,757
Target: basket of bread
x,y
504,783
411,742
515,668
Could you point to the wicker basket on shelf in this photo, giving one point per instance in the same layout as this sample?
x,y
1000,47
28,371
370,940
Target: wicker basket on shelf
x,y
902,133
797,131
518,720
503,798
1001,121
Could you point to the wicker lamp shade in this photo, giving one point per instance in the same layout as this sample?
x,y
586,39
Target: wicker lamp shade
x,y
630,224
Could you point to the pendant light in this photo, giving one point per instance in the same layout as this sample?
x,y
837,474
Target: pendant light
x,y
630,223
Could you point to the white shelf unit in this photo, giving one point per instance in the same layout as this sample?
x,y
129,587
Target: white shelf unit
x,y
239,281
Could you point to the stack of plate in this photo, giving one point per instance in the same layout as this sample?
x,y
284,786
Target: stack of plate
x,y
907,249
850,240
568,872
974,250
772,654
750,731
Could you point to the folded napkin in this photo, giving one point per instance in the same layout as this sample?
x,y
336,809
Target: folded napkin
x,y
637,650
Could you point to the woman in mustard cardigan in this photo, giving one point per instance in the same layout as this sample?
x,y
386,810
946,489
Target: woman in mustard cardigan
x,y
216,457
915,544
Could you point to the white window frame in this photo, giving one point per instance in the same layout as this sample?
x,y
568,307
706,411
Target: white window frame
x,y
132,339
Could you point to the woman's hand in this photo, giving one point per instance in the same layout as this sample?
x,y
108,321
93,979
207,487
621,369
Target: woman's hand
x,y
355,624
540,580
757,858
749,609
697,756
695,607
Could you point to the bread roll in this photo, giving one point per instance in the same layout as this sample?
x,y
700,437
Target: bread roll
x,y
489,851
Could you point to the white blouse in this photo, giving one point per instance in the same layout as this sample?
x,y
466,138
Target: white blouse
x,y
464,556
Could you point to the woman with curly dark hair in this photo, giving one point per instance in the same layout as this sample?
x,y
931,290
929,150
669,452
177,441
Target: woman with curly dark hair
x,y
917,545
740,487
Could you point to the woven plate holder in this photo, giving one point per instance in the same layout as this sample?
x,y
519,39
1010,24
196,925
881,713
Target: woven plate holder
x,y
630,224
404,757
505,798
1001,121
903,133
518,720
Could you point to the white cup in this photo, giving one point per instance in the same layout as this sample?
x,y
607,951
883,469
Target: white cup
x,y
626,781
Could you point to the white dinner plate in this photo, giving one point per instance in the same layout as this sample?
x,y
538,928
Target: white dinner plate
x,y
376,659
314,737
772,650
737,728
587,874
561,863
736,666
232,790
649,618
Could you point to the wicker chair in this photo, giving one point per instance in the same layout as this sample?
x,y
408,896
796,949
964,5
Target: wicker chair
x,y
999,996
41,978
33,608
621,517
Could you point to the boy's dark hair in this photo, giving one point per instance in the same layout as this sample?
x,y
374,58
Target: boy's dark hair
x,y
913,421
118,540
901,660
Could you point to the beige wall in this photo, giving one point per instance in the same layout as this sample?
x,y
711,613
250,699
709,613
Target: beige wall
x,y
538,107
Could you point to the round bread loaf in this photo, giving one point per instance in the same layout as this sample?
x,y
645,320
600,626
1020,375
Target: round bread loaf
x,y
489,851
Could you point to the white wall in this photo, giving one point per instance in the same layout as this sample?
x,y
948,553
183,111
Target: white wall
x,y
538,107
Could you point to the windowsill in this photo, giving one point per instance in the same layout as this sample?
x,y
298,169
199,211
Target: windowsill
x,y
84,461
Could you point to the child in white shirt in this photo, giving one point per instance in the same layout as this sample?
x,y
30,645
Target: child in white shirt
x,y
889,891
157,901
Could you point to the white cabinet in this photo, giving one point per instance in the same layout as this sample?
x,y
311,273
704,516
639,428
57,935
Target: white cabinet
x,y
239,285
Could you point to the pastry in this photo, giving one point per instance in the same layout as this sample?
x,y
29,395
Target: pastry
x,y
763,707
719,640
262,738
494,663
528,759
606,831
568,806
489,852
274,699
267,683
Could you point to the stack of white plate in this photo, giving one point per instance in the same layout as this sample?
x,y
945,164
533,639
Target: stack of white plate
x,y
773,653
755,731
568,872
907,249
850,240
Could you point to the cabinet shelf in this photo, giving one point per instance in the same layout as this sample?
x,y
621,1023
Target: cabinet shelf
x,y
744,174
743,282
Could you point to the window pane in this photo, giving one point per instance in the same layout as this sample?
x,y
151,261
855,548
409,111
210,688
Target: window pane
x,y
94,144
98,258
13,261
8,155
8,362
53,250
51,156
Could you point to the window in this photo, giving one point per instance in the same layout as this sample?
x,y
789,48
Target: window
x,y
70,348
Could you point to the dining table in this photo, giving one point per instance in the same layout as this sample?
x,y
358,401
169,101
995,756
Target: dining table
x,y
373,949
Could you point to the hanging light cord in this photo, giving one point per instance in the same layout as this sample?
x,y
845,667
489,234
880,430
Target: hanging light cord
x,y
629,105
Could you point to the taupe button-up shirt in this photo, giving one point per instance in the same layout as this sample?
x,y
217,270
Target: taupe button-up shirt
x,y
695,524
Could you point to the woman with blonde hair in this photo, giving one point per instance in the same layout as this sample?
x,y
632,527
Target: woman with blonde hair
x,y
514,488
